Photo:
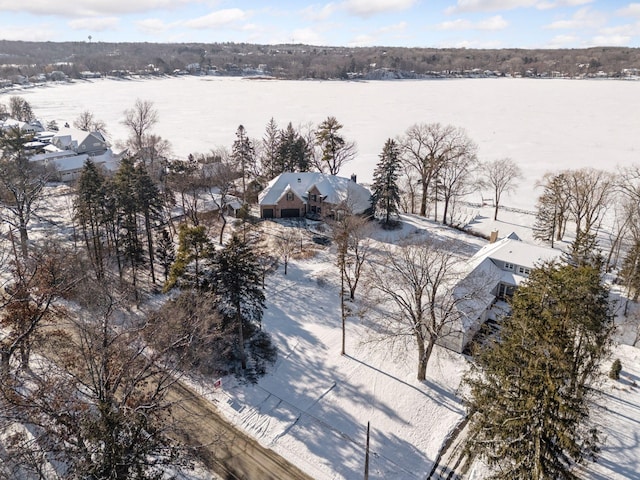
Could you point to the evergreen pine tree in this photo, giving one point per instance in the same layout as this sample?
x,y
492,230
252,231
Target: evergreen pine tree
x,y
336,151
194,247
293,152
165,251
88,211
149,205
630,271
552,210
386,194
243,154
584,251
529,399
270,143
127,209
236,280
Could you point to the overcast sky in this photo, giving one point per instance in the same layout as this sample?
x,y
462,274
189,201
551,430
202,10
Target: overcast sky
x,y
419,23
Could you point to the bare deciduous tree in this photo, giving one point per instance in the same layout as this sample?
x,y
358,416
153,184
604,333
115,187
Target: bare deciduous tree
x,y
589,193
139,121
351,235
456,176
21,183
427,148
286,242
501,176
424,296
87,122
99,405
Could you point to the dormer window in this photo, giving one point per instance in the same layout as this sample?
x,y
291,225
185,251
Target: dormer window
x,y
509,266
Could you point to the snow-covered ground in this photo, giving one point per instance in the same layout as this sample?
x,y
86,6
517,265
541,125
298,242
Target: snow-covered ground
x,y
314,404
544,125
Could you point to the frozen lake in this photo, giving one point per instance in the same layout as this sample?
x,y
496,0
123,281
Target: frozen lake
x,y
544,125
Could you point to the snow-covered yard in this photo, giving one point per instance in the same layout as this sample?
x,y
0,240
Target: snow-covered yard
x,y
314,404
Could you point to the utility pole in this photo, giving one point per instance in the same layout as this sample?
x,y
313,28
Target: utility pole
x,y
366,456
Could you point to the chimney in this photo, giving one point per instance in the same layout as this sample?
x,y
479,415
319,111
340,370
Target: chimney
x,y
493,237
354,178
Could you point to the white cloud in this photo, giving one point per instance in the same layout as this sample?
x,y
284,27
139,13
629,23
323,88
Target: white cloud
x,y
397,27
307,36
32,33
152,26
362,41
217,19
466,43
493,23
546,5
367,8
631,10
561,41
94,24
611,40
583,18
89,8
466,6
317,13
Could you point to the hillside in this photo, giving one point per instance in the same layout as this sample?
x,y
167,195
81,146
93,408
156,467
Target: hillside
x,y
295,61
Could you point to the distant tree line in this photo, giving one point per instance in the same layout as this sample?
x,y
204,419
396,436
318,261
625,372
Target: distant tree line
x,y
295,61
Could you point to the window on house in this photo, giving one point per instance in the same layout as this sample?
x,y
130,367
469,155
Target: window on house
x,y
313,197
505,291
508,266
319,210
289,196
524,271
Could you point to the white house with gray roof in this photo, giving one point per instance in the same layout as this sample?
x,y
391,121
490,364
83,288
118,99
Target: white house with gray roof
x,y
494,273
296,194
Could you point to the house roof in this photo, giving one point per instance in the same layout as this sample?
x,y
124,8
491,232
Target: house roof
x,y
486,268
515,251
333,189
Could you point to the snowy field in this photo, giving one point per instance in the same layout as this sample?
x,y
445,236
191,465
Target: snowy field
x,y
314,404
544,125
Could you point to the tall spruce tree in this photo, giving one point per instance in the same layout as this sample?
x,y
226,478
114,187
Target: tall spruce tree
x,y
529,397
243,154
127,209
269,158
165,251
293,152
552,209
386,194
149,205
89,212
236,280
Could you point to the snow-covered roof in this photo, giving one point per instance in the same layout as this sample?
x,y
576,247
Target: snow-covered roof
x,y
516,252
486,268
334,189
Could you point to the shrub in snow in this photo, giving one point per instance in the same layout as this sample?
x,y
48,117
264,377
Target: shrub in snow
x,y
616,368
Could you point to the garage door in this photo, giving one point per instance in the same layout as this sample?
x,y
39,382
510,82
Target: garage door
x,y
290,212
267,213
